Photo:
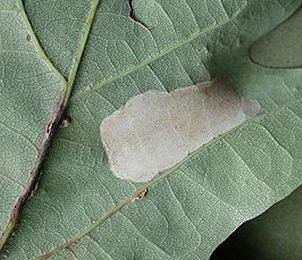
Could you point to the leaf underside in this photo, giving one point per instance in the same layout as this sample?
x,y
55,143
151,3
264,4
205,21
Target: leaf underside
x,y
81,210
261,238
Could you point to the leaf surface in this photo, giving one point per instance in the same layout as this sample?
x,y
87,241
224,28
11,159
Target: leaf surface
x,y
274,235
31,94
81,210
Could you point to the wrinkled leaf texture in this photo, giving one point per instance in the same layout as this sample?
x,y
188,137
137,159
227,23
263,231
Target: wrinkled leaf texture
x,y
81,210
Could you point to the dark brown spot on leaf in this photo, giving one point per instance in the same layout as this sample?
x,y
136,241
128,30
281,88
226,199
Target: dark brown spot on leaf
x,y
140,195
65,122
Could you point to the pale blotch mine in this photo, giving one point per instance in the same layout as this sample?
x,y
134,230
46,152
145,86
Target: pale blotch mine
x,y
156,130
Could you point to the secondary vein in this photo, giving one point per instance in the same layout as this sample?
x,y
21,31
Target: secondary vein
x,y
36,42
160,54
77,60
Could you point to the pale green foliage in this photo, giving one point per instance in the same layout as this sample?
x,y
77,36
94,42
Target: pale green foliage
x,y
263,236
189,210
30,92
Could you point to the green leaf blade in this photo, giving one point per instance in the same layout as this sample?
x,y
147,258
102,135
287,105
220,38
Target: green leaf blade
x,y
31,94
83,211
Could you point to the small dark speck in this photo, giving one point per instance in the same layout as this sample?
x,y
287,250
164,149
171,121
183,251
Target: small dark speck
x,y
65,122
28,38
140,195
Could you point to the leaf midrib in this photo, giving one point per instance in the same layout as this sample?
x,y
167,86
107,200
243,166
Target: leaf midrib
x,y
29,187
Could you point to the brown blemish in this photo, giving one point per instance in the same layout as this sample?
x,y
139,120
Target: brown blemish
x,y
141,195
205,90
65,122
70,249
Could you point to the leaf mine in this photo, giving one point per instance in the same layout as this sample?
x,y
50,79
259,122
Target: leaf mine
x,y
156,130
